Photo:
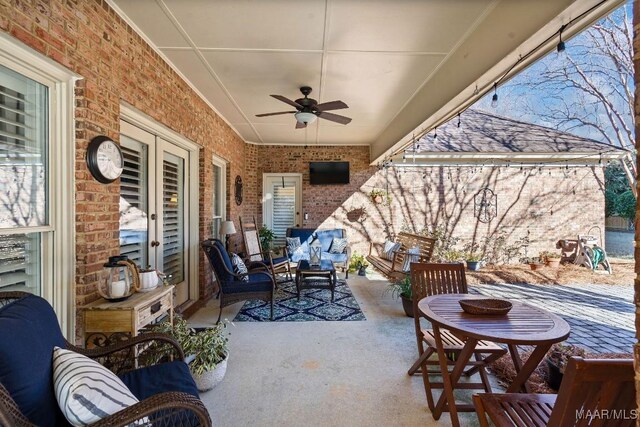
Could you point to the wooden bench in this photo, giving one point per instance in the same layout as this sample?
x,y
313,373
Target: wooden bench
x,y
393,268
599,388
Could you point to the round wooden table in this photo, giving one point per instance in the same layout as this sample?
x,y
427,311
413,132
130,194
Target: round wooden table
x,y
523,325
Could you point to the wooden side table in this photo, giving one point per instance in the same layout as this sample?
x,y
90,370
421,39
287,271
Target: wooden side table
x,y
106,322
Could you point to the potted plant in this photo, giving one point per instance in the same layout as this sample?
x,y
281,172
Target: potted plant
x,y
358,263
401,288
535,263
557,359
474,261
551,259
206,349
266,238
378,196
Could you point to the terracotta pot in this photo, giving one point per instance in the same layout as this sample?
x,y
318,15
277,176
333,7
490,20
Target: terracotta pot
x,y
536,266
407,304
377,199
553,262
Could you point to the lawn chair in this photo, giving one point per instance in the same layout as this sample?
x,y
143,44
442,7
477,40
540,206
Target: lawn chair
x,y
260,285
595,392
435,279
254,252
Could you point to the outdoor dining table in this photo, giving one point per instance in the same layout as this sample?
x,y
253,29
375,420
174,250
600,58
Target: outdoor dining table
x,y
524,325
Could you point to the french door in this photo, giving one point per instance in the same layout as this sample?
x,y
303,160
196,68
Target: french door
x,y
154,206
282,195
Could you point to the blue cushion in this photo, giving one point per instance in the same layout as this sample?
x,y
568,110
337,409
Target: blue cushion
x,y
334,257
219,261
300,255
258,282
326,237
152,380
28,333
305,234
277,260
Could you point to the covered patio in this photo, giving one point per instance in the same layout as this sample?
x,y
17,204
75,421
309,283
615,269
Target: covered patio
x,y
183,139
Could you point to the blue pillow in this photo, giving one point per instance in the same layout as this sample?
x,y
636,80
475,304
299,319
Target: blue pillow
x,y
152,380
28,333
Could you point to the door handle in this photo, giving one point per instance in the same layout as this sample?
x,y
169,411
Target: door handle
x,y
154,243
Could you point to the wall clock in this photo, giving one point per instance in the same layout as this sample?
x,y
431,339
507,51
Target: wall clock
x,y
104,159
238,190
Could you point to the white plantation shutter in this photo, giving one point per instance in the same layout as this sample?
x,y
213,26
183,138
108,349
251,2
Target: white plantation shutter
x,y
284,202
173,218
23,178
134,207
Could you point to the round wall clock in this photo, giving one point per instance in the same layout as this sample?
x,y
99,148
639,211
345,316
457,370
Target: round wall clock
x,y
104,159
238,190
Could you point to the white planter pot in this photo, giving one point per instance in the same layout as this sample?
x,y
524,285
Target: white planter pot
x,y
210,379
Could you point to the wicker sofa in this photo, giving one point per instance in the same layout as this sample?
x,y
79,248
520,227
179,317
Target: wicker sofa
x,y
325,237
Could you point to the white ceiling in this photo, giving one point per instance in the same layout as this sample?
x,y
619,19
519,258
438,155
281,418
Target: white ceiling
x,y
395,63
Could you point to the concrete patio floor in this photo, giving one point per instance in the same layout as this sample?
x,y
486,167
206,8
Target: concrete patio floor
x,y
353,373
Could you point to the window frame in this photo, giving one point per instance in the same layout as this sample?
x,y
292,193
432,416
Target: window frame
x,y
58,271
217,161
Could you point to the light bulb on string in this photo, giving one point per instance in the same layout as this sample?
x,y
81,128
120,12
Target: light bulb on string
x,y
458,119
494,98
435,133
561,48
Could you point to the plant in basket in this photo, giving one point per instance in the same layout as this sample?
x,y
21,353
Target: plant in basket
x,y
358,263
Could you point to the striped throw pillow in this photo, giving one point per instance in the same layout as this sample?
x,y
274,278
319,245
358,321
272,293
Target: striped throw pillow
x,y
87,391
338,245
293,243
413,255
239,267
389,248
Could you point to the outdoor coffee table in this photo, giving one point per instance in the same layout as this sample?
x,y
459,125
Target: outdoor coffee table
x,y
523,325
324,276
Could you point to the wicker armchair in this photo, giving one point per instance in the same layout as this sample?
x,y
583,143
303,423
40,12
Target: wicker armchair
x,y
163,409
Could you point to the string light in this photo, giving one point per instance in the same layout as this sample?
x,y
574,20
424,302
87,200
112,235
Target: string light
x,y
435,133
459,119
494,98
561,48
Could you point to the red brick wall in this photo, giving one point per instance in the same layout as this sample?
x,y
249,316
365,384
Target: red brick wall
x,y
544,206
116,65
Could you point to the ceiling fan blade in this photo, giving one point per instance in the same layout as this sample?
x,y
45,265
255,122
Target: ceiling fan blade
x,y
275,114
300,125
334,118
333,105
288,101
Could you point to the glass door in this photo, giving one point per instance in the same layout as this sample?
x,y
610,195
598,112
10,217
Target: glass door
x,y
172,207
282,203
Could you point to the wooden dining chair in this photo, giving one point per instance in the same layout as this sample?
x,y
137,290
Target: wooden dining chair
x,y
256,254
434,279
594,392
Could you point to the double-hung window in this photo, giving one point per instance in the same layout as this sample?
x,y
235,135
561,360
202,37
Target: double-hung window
x,y
219,185
37,241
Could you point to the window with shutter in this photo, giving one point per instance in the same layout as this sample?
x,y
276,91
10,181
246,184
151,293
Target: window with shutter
x,y
134,206
284,199
23,179
173,217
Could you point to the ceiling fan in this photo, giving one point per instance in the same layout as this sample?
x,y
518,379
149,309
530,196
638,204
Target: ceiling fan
x,y
308,109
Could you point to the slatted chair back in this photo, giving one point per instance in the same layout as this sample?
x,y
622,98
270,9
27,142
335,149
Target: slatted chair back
x,y
410,241
596,392
434,279
251,238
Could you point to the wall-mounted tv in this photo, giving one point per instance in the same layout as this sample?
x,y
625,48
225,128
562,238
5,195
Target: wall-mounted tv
x,y
327,173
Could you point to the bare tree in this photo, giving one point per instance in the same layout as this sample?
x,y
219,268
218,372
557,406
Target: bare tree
x,y
588,90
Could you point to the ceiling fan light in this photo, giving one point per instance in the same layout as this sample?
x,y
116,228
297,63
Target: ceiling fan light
x,y
304,117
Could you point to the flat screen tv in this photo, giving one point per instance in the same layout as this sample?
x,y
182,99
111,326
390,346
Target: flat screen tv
x,y
327,173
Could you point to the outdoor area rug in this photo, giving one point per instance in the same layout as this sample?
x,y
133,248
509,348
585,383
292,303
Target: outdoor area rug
x,y
314,305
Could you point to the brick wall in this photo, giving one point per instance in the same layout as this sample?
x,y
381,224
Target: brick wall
x,y
116,65
544,205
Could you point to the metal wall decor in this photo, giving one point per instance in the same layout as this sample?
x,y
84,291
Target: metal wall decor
x,y
238,190
485,205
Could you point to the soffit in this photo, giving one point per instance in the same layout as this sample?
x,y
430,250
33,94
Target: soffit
x,y
395,63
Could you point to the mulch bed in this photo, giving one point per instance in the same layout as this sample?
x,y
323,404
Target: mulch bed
x,y
505,372
568,274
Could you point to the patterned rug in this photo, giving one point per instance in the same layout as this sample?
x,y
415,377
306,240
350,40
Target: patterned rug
x,y
314,305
